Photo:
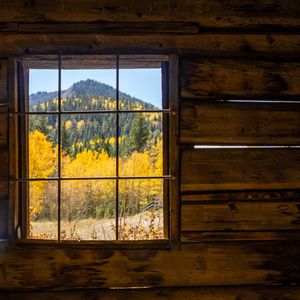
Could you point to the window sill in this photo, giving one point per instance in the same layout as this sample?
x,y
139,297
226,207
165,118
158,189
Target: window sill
x,y
163,244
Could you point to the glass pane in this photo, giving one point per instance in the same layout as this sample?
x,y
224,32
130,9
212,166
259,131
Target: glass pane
x,y
140,144
43,89
42,146
141,209
43,210
88,83
140,84
88,210
88,144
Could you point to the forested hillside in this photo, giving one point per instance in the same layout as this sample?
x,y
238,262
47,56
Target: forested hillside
x,y
94,131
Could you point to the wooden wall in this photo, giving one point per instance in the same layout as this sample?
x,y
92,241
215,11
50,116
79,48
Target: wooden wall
x,y
239,208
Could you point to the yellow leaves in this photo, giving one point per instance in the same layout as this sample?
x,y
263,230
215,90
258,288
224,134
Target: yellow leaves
x,y
42,159
80,124
42,164
68,124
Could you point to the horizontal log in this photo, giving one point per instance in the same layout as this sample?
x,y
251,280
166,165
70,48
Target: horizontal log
x,y
240,216
103,27
260,196
237,45
214,13
238,169
172,293
240,79
221,236
3,79
241,123
3,126
240,263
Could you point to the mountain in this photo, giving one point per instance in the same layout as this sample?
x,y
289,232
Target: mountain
x,y
92,131
88,88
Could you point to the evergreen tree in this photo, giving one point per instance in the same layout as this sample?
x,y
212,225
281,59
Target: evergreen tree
x,y
65,140
139,134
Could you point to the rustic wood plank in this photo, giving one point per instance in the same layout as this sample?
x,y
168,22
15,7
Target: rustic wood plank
x,y
216,44
240,79
171,293
211,14
260,196
241,263
103,27
3,164
240,123
3,126
237,169
3,215
3,79
174,155
220,236
240,216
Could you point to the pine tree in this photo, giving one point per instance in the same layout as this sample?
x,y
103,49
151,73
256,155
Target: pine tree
x,y
139,134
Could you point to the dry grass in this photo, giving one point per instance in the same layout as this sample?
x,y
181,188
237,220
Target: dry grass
x,y
143,226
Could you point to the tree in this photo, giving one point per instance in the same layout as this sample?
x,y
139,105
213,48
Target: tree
x,y
42,164
139,134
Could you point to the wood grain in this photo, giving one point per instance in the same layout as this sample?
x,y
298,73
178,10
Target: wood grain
x,y
214,44
3,79
205,264
240,123
3,126
221,236
253,196
3,164
240,79
174,293
209,14
238,169
240,216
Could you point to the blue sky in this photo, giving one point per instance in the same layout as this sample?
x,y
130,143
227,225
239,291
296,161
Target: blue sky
x,y
144,84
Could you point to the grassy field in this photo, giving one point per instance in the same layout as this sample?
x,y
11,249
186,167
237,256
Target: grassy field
x,y
143,226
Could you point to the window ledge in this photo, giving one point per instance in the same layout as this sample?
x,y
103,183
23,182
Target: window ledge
x,y
162,244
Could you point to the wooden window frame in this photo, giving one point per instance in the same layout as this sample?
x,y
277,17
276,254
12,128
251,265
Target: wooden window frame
x,y
19,207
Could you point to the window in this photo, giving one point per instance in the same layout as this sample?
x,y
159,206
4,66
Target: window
x,y
95,135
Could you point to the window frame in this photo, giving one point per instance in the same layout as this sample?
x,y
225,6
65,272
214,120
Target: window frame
x,y
170,136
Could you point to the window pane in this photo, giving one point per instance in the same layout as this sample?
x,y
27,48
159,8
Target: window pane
x,y
88,84
140,89
88,145
43,210
140,83
42,146
43,89
140,144
141,209
88,210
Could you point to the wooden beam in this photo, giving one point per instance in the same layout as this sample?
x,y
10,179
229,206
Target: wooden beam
x,y
3,127
205,264
221,236
258,196
238,169
171,293
208,14
3,80
233,216
240,123
207,45
240,79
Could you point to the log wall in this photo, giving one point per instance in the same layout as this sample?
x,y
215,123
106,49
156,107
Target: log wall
x,y
240,207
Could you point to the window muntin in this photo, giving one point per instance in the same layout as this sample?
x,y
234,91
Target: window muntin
x,y
119,180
